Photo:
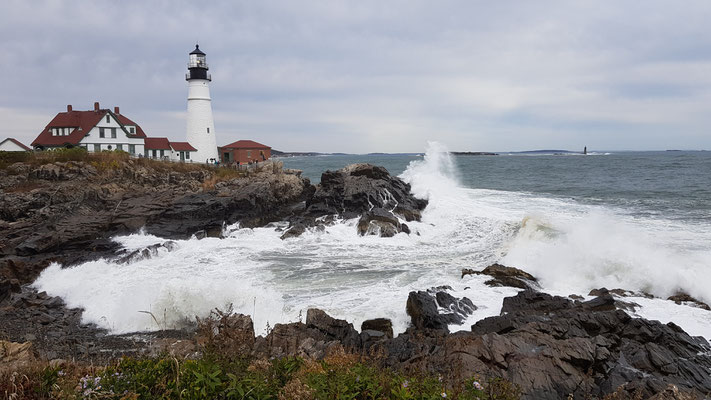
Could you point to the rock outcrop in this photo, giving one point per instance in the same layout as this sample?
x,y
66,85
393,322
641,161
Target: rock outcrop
x,y
68,211
436,309
365,191
505,276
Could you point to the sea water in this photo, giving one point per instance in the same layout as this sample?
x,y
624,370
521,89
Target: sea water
x,y
637,221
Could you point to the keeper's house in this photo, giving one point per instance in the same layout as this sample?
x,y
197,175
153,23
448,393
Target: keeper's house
x,y
95,130
11,144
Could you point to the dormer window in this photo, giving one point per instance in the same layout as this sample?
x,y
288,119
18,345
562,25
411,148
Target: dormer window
x,y
132,130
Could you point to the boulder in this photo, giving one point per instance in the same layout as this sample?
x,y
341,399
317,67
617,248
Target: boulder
x,y
435,309
505,276
383,325
360,188
682,297
379,221
335,329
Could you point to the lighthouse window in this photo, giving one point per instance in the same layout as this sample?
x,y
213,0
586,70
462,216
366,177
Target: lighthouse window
x,y
208,130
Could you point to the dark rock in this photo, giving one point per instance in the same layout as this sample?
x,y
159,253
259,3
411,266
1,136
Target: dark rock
x,y
380,222
8,287
505,276
294,231
682,297
378,324
423,307
532,302
604,302
148,252
359,188
336,329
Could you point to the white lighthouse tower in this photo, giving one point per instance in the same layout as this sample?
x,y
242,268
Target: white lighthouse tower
x,y
201,128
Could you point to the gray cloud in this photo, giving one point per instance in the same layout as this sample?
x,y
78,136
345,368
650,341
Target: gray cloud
x,y
373,76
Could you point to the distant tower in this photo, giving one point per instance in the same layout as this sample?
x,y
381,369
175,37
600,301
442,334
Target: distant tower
x,y
201,128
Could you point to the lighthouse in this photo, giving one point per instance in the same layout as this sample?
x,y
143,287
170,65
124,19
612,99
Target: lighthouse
x,y
200,127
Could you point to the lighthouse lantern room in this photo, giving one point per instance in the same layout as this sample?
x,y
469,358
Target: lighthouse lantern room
x,y
200,125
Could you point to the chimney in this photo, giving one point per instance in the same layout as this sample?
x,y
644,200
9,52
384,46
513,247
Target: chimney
x,y
96,106
69,108
116,110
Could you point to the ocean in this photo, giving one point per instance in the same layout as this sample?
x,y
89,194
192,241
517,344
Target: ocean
x,y
639,221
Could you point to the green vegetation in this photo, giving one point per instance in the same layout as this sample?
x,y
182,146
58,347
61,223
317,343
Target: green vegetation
x,y
339,376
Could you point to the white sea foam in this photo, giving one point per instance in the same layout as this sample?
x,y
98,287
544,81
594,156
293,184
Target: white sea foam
x,y
571,247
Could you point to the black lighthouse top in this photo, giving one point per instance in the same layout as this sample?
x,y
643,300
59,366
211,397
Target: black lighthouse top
x,y
197,66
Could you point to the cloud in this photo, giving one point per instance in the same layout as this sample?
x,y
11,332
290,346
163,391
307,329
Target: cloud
x,y
373,76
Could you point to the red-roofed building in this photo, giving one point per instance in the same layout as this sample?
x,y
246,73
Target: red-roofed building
x,y
103,129
182,151
95,130
11,144
244,152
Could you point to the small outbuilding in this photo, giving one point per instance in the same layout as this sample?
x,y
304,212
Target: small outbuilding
x,y
182,151
158,148
11,144
244,152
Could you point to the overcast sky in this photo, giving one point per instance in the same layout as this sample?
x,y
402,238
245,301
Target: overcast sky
x,y
373,76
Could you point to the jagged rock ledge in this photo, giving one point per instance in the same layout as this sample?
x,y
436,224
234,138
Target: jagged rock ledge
x,y
67,212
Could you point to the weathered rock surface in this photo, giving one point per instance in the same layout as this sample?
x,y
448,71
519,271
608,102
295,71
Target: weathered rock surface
x,y
505,276
379,222
436,309
383,325
682,297
552,347
359,188
67,212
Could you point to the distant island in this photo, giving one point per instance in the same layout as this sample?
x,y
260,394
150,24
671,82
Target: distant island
x,y
473,153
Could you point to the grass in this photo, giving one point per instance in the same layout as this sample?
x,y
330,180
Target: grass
x,y
108,161
338,376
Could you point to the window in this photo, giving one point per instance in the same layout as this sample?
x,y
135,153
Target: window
x,y
162,153
102,133
208,129
108,147
132,130
155,153
249,153
119,147
187,155
132,148
108,118
113,133
97,148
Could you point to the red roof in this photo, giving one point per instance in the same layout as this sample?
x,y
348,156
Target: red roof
x,y
17,142
182,146
245,144
157,143
125,121
84,121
